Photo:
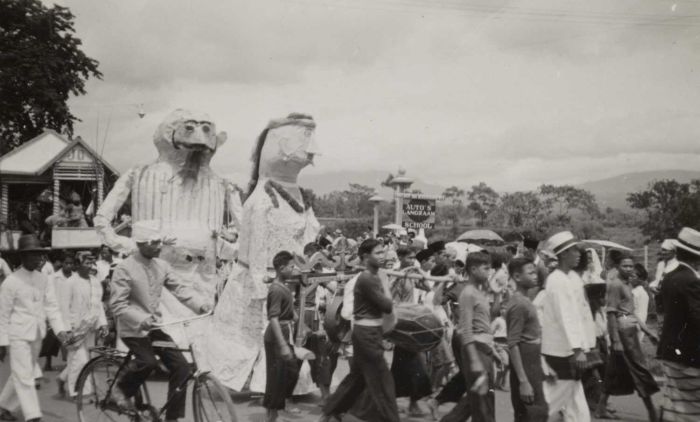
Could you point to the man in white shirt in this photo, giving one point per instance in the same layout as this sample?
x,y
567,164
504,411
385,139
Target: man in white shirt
x,y
667,263
640,297
46,266
27,300
105,263
563,333
60,286
86,318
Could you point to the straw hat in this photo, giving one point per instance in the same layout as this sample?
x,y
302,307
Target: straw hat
x,y
560,242
689,240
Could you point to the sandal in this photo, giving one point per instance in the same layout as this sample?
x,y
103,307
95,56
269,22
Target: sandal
x,y
606,415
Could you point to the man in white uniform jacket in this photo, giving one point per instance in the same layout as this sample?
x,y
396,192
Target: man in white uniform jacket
x,y
86,318
27,300
564,333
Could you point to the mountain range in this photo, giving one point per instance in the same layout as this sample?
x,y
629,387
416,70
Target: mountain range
x,y
610,192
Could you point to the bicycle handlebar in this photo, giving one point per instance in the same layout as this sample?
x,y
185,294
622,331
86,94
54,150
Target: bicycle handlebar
x,y
180,321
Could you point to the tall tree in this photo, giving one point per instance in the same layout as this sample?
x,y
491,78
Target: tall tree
x,y
41,66
483,200
455,194
668,206
560,201
357,200
522,210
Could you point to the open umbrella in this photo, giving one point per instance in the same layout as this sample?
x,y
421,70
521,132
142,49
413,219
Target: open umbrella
x,y
607,244
463,249
480,235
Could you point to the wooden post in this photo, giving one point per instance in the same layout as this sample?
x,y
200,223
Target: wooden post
x,y
646,257
100,187
4,203
399,203
375,225
56,195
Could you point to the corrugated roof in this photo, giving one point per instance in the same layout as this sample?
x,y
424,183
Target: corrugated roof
x,y
37,155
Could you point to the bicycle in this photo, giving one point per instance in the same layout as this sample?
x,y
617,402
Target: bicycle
x,y
211,401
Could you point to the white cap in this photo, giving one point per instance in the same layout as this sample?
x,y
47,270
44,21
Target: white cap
x,y
668,245
146,231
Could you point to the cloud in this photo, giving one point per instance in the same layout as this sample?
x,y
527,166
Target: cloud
x,y
511,92
161,42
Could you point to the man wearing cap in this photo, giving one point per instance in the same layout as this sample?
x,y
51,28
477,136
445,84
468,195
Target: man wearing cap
x,y
563,332
136,288
27,300
679,346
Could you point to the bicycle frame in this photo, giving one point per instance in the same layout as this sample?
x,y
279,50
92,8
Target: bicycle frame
x,y
125,359
194,372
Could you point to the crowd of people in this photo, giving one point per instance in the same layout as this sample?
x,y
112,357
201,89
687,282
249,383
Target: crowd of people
x,y
567,333
542,319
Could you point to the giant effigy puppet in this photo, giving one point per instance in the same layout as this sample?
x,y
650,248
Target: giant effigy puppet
x,y
183,196
276,216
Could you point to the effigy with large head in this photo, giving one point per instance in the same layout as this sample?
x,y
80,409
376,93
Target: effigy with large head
x,y
181,194
277,216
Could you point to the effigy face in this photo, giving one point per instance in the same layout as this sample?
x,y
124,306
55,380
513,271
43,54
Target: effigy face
x,y
195,135
188,139
288,149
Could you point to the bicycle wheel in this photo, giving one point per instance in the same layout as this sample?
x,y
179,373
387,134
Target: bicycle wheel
x,y
211,401
93,386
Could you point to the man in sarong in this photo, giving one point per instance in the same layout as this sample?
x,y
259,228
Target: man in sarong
x,y
476,345
627,368
679,346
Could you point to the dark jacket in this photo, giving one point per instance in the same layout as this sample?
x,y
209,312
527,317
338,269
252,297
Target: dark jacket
x,y
680,336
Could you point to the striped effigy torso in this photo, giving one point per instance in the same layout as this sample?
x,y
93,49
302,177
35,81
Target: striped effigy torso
x,y
160,193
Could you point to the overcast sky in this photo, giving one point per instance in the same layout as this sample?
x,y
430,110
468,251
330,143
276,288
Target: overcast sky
x,y
514,93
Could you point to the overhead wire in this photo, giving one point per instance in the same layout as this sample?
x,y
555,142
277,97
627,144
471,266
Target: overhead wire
x,y
509,12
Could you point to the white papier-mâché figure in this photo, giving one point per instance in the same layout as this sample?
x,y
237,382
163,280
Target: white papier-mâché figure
x,y
183,195
276,217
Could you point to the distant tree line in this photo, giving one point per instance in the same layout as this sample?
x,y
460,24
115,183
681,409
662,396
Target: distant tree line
x,y
540,212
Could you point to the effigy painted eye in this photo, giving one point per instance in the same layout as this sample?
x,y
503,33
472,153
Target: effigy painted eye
x,y
189,128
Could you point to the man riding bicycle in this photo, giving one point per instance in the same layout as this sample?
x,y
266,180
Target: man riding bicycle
x,y
136,288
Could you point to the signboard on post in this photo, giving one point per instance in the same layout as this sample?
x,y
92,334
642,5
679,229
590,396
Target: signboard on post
x,y
418,211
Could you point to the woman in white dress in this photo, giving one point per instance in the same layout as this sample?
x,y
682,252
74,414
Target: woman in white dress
x,y
276,216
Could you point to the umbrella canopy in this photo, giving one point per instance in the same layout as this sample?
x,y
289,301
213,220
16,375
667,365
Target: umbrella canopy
x,y
479,235
463,249
607,244
392,226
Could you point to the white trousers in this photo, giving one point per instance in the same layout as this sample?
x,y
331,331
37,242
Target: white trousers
x,y
567,397
76,360
20,390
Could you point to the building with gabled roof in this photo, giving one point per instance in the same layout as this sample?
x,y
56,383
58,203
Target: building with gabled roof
x,y
38,171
